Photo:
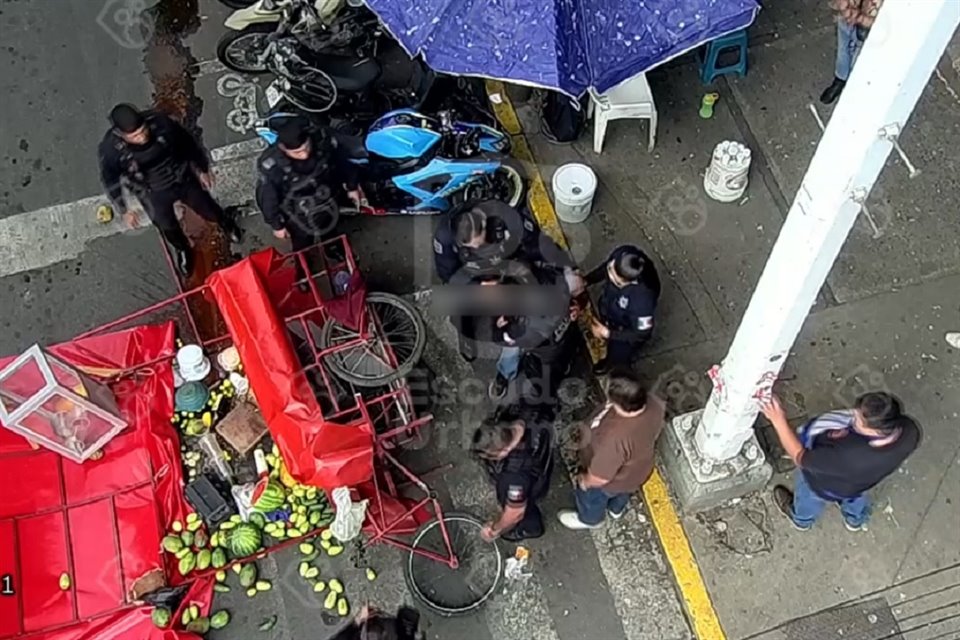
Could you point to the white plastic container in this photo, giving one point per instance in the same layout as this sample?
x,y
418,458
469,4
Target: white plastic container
x,y
192,363
573,188
727,176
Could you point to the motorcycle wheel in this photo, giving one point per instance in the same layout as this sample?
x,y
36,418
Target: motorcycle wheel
x,y
239,50
237,4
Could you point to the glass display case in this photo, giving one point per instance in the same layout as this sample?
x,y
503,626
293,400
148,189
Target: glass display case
x,y
56,405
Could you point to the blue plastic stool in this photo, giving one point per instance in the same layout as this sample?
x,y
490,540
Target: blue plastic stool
x,y
736,40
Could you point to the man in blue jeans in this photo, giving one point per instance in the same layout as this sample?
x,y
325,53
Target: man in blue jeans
x,y
616,452
840,456
854,19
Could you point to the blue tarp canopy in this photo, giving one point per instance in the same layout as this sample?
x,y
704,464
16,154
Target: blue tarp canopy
x,y
568,45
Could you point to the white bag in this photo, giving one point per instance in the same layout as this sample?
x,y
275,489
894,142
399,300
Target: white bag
x,y
350,515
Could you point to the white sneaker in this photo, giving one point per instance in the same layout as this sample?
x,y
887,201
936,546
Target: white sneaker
x,y
953,339
570,519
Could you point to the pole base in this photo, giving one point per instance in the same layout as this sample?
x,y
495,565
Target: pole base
x,y
700,484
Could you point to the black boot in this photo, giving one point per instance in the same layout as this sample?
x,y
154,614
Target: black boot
x,y
831,93
184,261
233,230
602,367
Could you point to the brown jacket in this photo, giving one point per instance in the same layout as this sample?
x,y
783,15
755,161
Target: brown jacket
x,y
857,12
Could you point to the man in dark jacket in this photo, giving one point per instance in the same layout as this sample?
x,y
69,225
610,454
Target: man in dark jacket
x,y
516,448
300,180
161,163
626,306
523,310
479,235
840,456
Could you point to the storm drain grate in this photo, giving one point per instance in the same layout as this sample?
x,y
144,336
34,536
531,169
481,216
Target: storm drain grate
x,y
867,620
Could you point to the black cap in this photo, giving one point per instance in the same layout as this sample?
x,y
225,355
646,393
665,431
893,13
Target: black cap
x,y
293,133
126,118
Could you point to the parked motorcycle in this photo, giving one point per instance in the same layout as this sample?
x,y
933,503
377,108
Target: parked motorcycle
x,y
412,164
320,26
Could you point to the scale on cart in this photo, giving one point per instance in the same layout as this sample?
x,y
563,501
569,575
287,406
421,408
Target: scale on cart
x,y
54,404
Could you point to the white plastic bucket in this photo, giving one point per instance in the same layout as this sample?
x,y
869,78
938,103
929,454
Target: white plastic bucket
x,y
727,176
573,188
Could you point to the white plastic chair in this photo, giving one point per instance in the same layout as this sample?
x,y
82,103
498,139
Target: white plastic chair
x,y
629,99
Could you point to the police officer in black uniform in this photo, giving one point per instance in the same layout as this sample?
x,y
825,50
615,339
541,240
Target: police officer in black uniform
x,y
516,448
161,163
627,304
300,180
478,235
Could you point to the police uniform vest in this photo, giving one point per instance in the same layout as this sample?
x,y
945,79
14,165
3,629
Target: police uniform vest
x,y
153,166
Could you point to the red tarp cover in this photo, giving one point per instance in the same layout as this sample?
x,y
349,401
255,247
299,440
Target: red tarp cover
x,y
317,452
100,522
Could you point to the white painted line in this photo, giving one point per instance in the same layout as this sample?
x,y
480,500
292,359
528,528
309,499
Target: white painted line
x,y
236,150
208,68
36,239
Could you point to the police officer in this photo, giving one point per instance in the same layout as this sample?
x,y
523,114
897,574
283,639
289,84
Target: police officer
x,y
300,180
480,234
627,304
516,307
161,163
516,448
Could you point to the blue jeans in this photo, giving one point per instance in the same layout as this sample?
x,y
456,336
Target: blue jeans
x,y
807,505
849,42
508,364
593,504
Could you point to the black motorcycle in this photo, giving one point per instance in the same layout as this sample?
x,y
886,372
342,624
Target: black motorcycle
x,y
347,31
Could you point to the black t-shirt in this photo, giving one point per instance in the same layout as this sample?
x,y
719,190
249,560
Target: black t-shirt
x,y
843,464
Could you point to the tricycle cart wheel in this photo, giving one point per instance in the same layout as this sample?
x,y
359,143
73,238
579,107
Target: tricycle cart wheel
x,y
465,587
393,345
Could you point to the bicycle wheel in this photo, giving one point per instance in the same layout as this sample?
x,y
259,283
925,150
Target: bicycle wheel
x,y
452,592
394,346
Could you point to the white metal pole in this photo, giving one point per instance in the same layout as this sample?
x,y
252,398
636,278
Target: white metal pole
x,y
902,50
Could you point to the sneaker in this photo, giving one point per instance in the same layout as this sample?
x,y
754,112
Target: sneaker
x,y
953,339
498,388
616,515
234,231
571,520
856,528
783,498
831,93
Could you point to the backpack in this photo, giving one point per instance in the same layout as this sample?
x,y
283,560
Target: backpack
x,y
561,118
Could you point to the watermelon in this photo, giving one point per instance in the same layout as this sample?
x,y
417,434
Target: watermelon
x,y
245,539
268,496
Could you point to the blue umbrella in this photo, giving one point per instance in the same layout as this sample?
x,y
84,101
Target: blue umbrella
x,y
567,45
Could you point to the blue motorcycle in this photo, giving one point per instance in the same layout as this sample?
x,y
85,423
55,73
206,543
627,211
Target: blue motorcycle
x,y
414,164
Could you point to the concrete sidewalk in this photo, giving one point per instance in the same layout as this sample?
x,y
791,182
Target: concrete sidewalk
x,y
879,323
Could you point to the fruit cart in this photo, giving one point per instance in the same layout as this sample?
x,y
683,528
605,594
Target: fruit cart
x,y
326,363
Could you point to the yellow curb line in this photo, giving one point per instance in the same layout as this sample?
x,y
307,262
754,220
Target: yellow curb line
x,y
673,539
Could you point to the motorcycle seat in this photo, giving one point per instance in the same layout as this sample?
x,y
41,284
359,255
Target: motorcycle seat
x,y
349,74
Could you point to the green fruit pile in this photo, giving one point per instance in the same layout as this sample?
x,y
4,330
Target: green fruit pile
x,y
193,547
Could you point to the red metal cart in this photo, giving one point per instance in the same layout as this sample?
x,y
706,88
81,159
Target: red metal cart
x,y
327,363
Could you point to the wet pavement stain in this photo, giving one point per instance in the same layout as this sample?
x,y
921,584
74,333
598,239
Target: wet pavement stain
x,y
168,61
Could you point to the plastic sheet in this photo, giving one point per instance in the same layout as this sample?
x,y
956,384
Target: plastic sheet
x,y
317,452
567,45
99,522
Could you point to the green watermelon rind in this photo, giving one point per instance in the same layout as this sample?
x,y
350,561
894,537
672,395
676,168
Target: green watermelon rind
x,y
245,540
271,499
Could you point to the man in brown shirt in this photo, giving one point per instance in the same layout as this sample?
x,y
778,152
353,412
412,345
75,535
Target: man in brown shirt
x,y
616,452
